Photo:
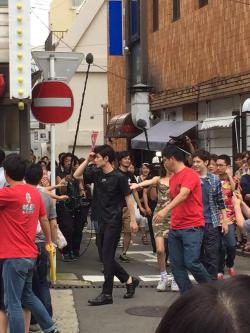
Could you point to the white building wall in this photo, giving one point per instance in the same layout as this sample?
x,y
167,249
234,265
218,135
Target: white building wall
x,y
94,40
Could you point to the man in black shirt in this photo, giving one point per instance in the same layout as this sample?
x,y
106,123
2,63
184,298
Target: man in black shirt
x,y
111,188
124,161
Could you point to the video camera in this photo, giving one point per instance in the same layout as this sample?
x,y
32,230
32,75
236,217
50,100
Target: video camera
x,y
76,201
180,141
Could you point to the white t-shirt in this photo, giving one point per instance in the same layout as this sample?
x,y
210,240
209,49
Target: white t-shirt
x,y
2,178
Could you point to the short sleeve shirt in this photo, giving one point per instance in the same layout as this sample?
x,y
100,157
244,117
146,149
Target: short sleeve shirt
x,y
50,210
110,191
131,179
190,212
20,209
228,199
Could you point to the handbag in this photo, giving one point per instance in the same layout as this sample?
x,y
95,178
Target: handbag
x,y
60,240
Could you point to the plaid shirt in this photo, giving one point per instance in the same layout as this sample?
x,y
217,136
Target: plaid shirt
x,y
216,201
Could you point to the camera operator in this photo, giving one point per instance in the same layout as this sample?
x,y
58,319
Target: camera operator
x,y
72,214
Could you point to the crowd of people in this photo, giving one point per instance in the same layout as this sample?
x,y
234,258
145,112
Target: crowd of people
x,y
190,206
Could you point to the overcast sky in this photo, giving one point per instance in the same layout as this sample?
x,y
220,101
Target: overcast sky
x,y
39,32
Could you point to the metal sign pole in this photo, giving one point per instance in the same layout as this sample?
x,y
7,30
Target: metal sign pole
x,y
53,129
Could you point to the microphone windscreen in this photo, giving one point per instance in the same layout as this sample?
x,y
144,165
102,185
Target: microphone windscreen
x,y
141,123
89,58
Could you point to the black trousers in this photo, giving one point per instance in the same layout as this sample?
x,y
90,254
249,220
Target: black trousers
x,y
71,224
210,250
108,238
152,205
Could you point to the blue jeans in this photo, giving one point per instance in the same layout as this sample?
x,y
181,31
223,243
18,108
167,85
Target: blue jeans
x,y
227,249
184,254
17,277
40,283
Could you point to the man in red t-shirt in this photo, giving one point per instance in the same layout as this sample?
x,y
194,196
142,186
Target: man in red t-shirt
x,y
187,220
21,207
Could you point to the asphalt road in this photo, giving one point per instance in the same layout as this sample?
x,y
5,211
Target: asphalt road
x,y
82,279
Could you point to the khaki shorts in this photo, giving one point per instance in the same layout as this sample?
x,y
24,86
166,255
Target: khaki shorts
x,y
126,220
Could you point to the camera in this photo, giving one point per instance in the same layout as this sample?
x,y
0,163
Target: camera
x,y
179,141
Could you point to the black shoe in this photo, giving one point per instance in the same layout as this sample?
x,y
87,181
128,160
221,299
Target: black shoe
x,y
76,254
66,257
102,299
55,331
131,288
73,257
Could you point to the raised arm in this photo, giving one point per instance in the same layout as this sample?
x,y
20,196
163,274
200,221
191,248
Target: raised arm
x,y
78,174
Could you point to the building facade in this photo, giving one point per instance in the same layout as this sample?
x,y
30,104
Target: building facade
x,y
86,33
194,57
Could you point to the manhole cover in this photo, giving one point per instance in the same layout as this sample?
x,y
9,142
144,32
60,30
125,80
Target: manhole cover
x,y
147,311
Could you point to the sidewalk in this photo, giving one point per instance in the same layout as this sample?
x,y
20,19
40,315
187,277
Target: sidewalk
x,y
65,311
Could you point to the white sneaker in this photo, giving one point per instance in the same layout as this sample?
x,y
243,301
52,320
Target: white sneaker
x,y
162,285
174,286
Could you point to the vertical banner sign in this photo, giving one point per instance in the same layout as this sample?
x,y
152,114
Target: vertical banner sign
x,y
93,139
115,28
19,49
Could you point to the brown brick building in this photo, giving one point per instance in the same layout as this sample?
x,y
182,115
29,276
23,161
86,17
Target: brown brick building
x,y
194,54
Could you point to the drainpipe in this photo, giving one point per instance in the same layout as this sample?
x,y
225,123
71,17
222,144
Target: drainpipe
x,y
106,115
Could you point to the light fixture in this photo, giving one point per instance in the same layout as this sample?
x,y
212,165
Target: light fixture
x,y
19,50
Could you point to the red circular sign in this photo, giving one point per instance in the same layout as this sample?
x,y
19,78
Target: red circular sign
x,y
52,102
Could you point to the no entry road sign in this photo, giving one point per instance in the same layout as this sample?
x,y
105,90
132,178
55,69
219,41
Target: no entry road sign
x,y
52,102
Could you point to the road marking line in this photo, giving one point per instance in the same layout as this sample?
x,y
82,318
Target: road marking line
x,y
96,278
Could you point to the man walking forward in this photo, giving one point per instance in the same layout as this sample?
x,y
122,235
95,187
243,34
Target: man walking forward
x,y
187,220
111,188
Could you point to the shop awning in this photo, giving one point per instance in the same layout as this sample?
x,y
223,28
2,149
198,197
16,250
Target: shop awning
x,y
159,134
217,122
121,126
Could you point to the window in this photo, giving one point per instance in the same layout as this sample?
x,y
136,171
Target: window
x,y
203,3
176,10
76,3
3,3
155,15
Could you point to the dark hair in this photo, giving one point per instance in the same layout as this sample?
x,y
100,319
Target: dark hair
x,y
81,160
105,151
238,156
15,166
147,165
218,307
42,162
60,157
202,154
64,156
34,174
225,158
121,154
174,151
2,156
213,157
